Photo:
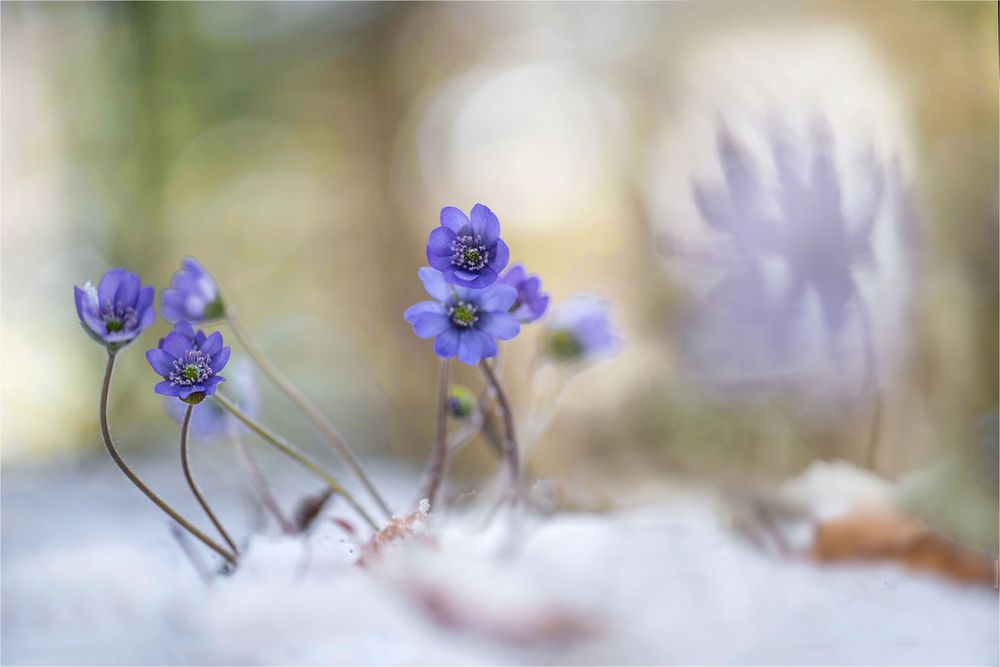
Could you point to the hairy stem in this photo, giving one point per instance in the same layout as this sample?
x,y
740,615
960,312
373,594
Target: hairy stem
x,y
327,429
120,462
186,467
296,455
510,435
435,471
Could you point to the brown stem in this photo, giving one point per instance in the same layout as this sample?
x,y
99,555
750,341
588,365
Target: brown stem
x,y
186,467
435,470
510,436
120,462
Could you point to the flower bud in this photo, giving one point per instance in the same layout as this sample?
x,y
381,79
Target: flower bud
x,y
461,402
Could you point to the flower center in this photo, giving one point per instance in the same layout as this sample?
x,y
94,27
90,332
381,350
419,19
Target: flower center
x,y
463,314
469,253
564,345
117,317
192,369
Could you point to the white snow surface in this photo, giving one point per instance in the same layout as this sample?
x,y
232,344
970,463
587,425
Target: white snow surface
x,y
92,576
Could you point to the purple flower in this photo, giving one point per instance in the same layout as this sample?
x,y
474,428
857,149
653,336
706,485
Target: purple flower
x,y
117,310
468,253
463,322
192,296
794,251
531,302
580,329
211,420
189,362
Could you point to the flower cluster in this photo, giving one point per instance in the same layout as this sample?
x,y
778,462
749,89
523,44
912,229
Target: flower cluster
x,y
120,308
474,305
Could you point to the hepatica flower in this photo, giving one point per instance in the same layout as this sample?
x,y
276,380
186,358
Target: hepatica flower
x,y
212,420
117,310
189,362
463,322
531,302
580,330
193,295
468,252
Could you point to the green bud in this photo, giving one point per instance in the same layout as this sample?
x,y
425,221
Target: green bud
x,y
195,398
461,402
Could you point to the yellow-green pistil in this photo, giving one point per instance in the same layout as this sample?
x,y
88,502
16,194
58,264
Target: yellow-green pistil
x,y
463,314
564,345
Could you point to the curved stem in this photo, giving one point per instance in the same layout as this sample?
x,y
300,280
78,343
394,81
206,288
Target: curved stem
x,y
435,471
510,436
298,456
186,467
329,431
120,462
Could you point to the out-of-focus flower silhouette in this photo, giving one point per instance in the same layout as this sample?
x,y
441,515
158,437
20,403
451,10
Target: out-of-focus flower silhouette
x,y
193,295
782,249
531,302
581,330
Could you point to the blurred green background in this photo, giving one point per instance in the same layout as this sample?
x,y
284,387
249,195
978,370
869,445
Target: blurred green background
x,y
302,151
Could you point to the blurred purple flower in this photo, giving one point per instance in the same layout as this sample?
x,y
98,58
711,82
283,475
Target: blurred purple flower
x,y
117,310
192,296
748,327
189,362
463,322
814,238
213,421
531,302
580,330
469,253
820,243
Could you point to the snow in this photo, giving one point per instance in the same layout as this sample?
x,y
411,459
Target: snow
x,y
92,576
